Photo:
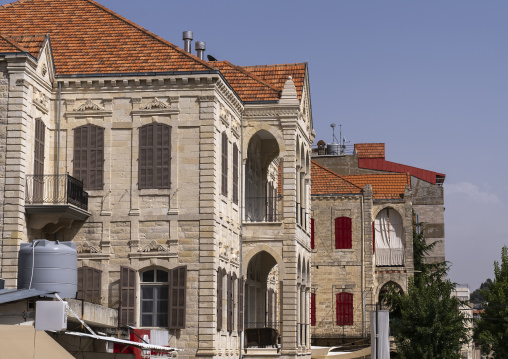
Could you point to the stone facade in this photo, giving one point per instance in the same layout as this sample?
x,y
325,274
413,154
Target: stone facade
x,y
195,223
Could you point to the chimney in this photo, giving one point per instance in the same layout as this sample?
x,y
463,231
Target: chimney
x,y
200,49
187,41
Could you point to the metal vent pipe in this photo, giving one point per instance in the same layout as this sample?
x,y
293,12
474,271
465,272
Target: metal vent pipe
x,y
187,41
200,49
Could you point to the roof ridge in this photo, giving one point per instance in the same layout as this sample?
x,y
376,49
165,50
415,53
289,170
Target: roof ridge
x,y
335,174
142,29
251,75
272,65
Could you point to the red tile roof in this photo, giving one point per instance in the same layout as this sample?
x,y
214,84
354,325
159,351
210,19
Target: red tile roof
x,y
384,185
8,45
247,85
278,74
87,38
370,150
326,182
33,43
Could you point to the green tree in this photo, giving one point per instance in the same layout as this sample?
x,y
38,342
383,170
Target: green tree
x,y
427,321
477,296
492,329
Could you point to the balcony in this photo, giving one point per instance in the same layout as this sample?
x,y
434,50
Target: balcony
x,y
55,201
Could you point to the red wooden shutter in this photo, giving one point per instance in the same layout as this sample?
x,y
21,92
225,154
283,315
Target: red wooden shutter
x,y
348,309
177,297
241,287
235,174
224,164
343,233
126,311
344,308
312,309
154,167
312,243
373,237
219,298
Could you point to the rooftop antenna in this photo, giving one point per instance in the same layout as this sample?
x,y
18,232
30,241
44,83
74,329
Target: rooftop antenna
x,y
334,139
342,142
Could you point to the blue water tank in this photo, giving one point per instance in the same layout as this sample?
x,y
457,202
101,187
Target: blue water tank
x,y
55,267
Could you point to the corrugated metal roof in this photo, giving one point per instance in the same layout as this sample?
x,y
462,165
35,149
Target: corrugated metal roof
x,y
13,295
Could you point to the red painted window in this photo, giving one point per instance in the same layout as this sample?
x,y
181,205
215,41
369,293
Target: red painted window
x,y
373,237
344,308
343,237
312,309
312,233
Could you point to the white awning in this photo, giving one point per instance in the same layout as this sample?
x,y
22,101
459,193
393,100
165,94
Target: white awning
x,y
140,345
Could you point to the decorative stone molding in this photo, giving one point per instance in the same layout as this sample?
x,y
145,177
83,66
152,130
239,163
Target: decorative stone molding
x,y
44,69
89,105
273,112
225,115
86,247
41,101
155,104
153,247
206,98
235,128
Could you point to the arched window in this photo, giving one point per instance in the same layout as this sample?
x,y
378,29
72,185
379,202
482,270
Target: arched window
x,y
154,169
388,238
343,235
89,156
344,308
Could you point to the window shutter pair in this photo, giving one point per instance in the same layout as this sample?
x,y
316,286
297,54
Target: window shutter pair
x,y
344,308
89,156
241,288
343,235
235,174
312,309
312,244
154,156
177,297
224,164
89,284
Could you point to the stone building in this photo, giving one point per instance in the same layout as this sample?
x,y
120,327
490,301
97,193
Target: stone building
x,y
184,183
362,211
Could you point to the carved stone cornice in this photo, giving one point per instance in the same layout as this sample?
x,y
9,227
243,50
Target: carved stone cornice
x,y
41,101
272,112
89,106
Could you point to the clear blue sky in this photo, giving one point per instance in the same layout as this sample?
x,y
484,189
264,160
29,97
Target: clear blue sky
x,y
428,78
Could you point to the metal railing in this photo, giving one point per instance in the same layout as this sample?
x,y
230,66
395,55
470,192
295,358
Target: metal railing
x,y
262,209
55,189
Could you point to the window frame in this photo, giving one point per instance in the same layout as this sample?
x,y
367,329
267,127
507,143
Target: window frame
x,y
160,307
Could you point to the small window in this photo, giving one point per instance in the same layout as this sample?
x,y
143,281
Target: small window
x,y
224,164
344,308
89,156
154,156
313,309
343,235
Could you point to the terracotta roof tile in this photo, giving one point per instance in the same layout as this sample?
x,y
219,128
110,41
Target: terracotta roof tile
x,y
370,150
33,43
278,74
384,185
87,38
8,45
326,182
247,85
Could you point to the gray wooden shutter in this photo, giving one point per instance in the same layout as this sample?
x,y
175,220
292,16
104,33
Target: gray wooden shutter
x,y
224,164
235,174
177,297
89,156
38,190
89,284
127,308
230,302
163,156
241,288
154,168
219,298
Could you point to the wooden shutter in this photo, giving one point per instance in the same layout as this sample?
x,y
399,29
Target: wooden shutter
x,y
312,309
224,164
127,308
38,189
373,236
219,298
89,156
343,234
230,303
89,285
177,297
241,288
312,243
235,174
344,308
154,167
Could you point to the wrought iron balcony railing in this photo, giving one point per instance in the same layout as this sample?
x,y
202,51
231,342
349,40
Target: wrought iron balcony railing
x,y
262,209
55,189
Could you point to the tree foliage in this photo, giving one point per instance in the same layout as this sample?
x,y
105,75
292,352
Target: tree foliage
x,y
492,329
426,321
477,296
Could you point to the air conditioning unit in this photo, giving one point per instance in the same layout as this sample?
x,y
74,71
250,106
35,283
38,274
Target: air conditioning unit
x,y
50,315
